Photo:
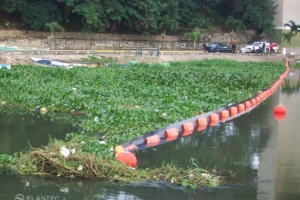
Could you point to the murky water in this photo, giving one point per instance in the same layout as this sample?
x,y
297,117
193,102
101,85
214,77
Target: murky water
x,y
262,151
20,127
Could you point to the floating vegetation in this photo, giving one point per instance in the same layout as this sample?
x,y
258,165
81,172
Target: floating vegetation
x,y
94,59
132,101
295,65
122,103
48,161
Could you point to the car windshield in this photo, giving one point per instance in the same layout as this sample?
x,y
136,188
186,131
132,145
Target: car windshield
x,y
256,44
213,45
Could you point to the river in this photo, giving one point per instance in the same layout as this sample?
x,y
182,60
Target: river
x,y
263,152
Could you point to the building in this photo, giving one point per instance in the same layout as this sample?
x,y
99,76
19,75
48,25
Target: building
x,y
286,10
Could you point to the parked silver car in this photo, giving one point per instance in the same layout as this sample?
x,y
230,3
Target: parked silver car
x,y
258,45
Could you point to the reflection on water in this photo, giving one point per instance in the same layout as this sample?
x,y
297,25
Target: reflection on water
x,y
288,166
262,151
20,127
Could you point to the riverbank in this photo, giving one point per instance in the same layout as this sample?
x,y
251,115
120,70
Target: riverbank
x,y
167,56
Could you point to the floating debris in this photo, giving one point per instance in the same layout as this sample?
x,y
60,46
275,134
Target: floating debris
x,y
64,151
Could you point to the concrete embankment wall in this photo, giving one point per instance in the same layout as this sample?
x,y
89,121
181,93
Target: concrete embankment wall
x,y
96,41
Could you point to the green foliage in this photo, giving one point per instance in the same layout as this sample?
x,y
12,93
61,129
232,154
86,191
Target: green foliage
x,y
268,28
294,28
295,65
168,24
94,59
130,101
288,37
195,36
37,13
201,23
234,25
54,26
255,13
49,161
7,163
147,17
11,6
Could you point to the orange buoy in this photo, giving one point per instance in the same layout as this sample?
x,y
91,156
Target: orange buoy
x,y
257,100
241,108
214,119
131,147
202,124
279,112
224,114
233,111
280,109
188,128
279,117
253,102
152,140
171,134
128,158
247,105
119,149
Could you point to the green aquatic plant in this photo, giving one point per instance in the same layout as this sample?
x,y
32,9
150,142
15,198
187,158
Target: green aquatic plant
x,y
130,101
48,160
7,163
94,59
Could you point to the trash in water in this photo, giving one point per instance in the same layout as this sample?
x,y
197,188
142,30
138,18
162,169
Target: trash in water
x,y
64,151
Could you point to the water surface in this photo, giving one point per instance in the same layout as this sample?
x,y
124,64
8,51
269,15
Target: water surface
x,y
262,151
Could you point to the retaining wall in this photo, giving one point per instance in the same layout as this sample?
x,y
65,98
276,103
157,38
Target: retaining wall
x,y
93,41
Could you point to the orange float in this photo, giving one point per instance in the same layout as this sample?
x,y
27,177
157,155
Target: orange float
x,y
253,102
171,134
131,147
152,140
257,100
188,128
233,111
224,114
279,112
119,149
241,108
202,124
214,119
247,105
127,158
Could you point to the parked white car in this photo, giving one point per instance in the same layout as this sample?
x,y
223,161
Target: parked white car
x,y
257,46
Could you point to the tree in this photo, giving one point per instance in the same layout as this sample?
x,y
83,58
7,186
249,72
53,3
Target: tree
x,y
294,28
254,12
288,37
53,26
11,6
168,24
268,28
195,36
234,25
169,16
201,23
37,13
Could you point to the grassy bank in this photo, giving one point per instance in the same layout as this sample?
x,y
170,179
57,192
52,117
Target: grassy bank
x,y
121,103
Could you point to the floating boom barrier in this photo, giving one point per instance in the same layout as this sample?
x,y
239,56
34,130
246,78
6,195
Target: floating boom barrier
x,y
201,122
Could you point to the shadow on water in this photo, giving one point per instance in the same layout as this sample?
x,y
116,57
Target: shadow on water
x,y
262,151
